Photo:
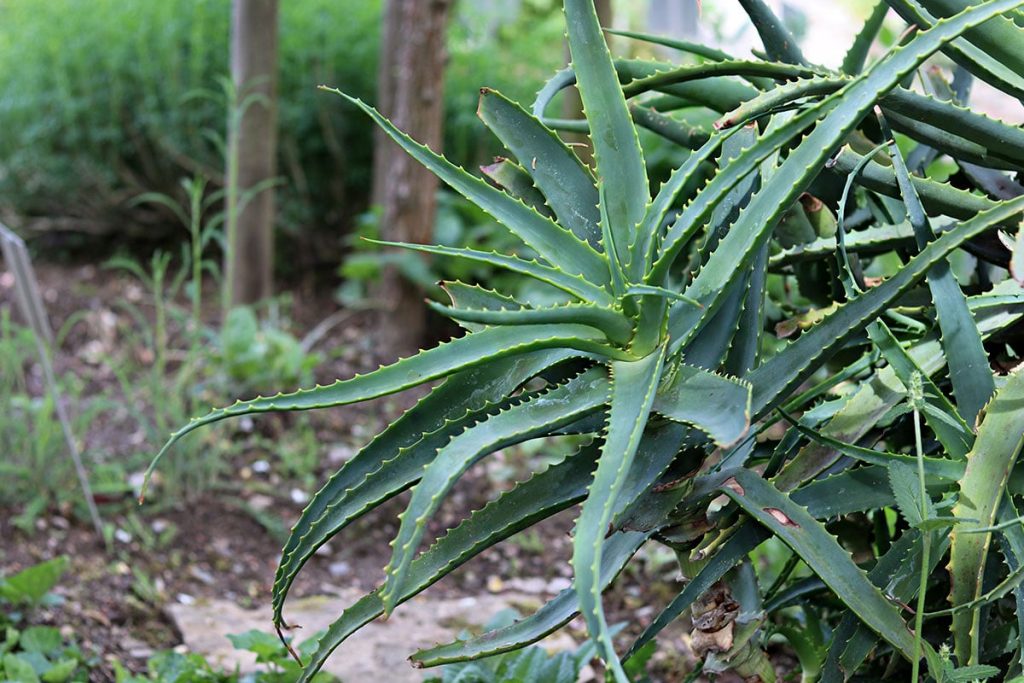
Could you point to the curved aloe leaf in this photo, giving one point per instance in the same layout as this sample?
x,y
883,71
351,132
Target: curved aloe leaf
x,y
791,178
513,178
717,405
617,153
571,284
996,448
807,537
775,378
779,43
556,171
535,416
547,493
1000,37
396,456
557,245
969,371
613,323
857,55
616,551
443,360
632,393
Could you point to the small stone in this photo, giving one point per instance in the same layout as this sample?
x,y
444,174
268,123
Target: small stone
x,y
122,536
495,584
339,569
201,575
325,550
260,502
339,454
159,526
261,467
299,497
246,424
186,599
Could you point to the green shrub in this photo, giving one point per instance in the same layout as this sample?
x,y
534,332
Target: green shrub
x,y
710,435
101,102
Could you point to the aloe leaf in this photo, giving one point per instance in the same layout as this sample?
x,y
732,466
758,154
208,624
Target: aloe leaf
x,y
632,393
395,457
937,197
476,297
857,55
462,353
613,323
745,349
572,284
1012,546
617,153
977,61
637,502
948,470
801,165
557,245
556,171
778,42
1017,257
514,179
996,448
1000,37
874,240
775,378
969,370
616,551
897,573
956,144
950,429
545,494
535,416
795,526
717,405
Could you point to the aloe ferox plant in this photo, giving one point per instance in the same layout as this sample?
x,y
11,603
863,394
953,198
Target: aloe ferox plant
x,y
657,349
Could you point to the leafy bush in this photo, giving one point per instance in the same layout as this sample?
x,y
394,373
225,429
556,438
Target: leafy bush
x,y
105,101
835,444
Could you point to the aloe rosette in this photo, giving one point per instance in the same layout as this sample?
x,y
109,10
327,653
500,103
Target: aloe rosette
x,y
654,345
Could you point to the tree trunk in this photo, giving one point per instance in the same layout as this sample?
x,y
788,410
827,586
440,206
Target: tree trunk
x,y
252,153
572,105
410,93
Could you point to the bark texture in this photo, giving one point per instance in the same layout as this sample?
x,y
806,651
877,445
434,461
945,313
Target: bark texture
x,y
410,93
249,260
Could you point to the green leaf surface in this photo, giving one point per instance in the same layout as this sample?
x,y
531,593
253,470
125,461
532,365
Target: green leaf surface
x,y
556,171
536,415
717,405
617,153
633,387
996,449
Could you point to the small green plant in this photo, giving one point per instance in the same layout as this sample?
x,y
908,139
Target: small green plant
x,y
41,654
31,587
707,434
254,358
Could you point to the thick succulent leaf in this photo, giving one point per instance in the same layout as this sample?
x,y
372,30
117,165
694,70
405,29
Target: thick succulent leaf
x,y
969,371
795,526
632,393
440,361
996,448
612,322
787,369
620,162
897,574
857,55
513,178
637,502
877,396
941,198
977,61
547,493
557,245
477,298
778,42
745,349
536,415
717,405
616,551
877,239
1000,38
851,103
571,284
395,457
557,172
941,468
1012,546
949,427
